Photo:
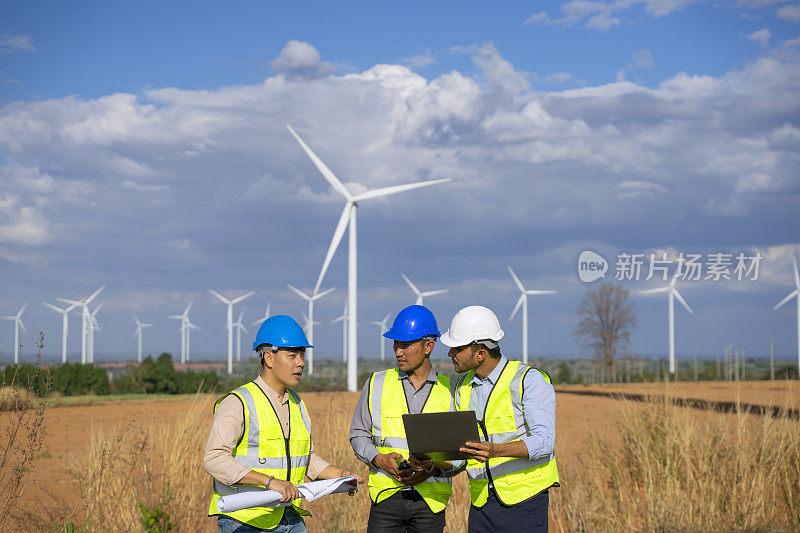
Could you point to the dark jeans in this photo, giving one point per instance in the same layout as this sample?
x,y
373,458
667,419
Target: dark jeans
x,y
404,511
494,517
290,523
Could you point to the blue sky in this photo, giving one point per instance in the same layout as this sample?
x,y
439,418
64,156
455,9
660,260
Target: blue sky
x,y
144,147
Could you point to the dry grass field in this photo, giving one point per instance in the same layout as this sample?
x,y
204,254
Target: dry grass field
x,y
624,465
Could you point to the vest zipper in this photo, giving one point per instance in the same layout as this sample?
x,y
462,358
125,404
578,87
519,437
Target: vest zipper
x,y
482,424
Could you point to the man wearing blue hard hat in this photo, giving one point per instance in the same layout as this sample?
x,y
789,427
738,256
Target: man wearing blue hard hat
x,y
261,436
404,497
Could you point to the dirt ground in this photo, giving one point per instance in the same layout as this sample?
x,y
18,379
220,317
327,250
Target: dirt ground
x,y
578,418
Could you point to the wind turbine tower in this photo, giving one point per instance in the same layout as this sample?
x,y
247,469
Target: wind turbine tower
x,y
184,331
230,304
64,327
523,301
17,325
796,295
84,305
347,220
239,328
309,327
673,293
384,329
138,335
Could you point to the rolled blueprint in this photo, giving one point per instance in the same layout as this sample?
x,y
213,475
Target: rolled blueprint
x,y
271,498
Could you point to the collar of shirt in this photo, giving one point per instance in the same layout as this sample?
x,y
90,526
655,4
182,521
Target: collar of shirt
x,y
493,376
431,375
271,394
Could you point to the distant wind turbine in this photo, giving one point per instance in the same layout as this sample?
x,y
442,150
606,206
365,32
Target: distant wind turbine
x,y
183,330
261,320
84,305
17,325
64,327
343,320
673,293
310,298
230,304
348,217
138,335
523,301
384,329
239,328
93,326
796,295
421,295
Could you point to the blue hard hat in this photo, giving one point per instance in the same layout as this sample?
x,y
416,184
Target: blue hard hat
x,y
281,331
412,323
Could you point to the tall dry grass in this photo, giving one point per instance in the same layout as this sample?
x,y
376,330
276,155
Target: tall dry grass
x,y
680,469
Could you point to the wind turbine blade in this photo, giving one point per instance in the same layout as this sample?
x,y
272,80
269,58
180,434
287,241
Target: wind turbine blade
x,y
338,233
796,274
413,287
94,295
239,320
394,189
298,292
219,296
374,323
324,293
189,306
656,291
791,295
322,167
266,314
96,309
516,279
516,307
72,302
434,293
243,328
138,324
53,307
535,292
305,317
177,317
21,325
146,325
243,297
385,318
257,322
682,301
335,320
22,309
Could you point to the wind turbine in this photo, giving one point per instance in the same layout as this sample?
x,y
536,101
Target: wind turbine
x,y
523,301
795,294
84,305
310,298
189,328
673,293
183,329
17,325
64,327
421,295
138,334
343,320
230,304
93,326
261,320
348,218
239,328
384,329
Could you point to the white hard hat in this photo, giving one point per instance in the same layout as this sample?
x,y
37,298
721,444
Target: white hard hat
x,y
472,324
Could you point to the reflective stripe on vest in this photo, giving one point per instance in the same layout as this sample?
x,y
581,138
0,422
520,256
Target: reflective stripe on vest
x,y
387,405
502,420
264,449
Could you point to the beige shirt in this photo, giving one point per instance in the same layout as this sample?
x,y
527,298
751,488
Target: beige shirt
x,y
228,428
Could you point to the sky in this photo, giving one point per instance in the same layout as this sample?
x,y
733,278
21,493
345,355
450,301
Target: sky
x,y
144,147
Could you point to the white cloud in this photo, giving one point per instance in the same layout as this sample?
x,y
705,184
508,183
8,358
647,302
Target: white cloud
x,y
300,60
761,37
143,187
559,77
16,43
541,16
790,12
643,59
419,60
21,224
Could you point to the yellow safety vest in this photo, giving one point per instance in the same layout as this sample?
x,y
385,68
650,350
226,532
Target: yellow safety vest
x,y
514,479
387,405
263,449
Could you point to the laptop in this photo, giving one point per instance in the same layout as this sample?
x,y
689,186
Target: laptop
x,y
438,436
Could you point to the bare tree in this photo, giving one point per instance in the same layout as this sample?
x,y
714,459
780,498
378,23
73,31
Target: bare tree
x,y
607,319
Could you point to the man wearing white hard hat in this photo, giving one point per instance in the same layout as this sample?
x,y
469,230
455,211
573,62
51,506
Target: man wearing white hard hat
x,y
513,467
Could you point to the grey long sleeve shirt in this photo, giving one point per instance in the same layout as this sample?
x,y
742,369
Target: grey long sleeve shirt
x,y
361,425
